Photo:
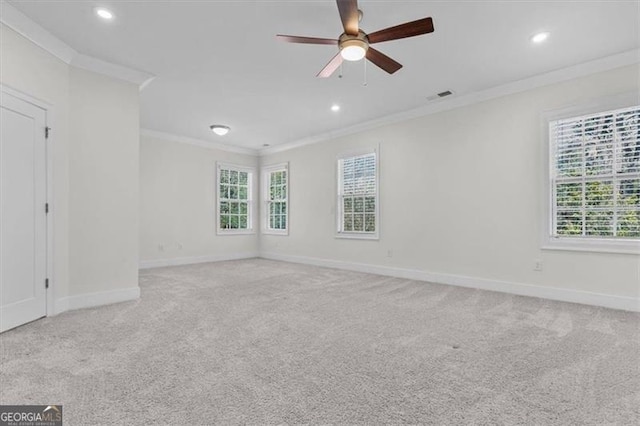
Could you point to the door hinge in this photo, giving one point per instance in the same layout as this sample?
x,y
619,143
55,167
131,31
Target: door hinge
x,y
46,132
46,283
46,208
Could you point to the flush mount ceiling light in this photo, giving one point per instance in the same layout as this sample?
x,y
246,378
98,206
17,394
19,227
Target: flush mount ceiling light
x,y
540,37
219,129
104,13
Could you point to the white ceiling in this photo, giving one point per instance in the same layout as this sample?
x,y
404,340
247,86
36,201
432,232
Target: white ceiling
x,y
219,62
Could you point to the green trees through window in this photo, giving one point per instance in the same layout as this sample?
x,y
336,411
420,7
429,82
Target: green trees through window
x,y
234,199
596,175
277,201
357,194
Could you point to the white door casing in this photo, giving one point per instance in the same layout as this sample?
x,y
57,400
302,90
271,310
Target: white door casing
x,y
23,220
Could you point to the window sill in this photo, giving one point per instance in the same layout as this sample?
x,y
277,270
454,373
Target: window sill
x,y
356,236
235,232
283,233
594,246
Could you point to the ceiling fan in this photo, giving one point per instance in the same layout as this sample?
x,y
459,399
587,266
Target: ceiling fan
x,y
355,44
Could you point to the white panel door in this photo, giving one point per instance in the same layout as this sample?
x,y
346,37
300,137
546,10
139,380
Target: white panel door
x,y
23,222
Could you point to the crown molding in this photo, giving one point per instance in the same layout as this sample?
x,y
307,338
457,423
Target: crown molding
x,y
26,27
630,57
197,142
140,78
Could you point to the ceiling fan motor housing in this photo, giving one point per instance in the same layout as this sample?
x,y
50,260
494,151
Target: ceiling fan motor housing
x,y
358,43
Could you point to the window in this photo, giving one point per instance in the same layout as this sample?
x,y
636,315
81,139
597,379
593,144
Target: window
x,y
358,196
235,199
595,179
276,198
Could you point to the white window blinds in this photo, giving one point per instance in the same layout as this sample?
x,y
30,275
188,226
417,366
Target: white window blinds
x,y
358,194
595,175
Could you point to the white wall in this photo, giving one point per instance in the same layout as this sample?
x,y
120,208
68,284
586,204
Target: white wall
x,y
460,198
94,159
31,70
103,183
177,204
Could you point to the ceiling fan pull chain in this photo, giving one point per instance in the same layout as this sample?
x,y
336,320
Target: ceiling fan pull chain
x,y
365,73
340,75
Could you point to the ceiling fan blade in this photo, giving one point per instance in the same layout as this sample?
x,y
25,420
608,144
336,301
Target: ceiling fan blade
x,y
333,65
409,29
382,60
306,40
349,15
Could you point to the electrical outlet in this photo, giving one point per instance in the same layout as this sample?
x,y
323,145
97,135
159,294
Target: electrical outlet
x,y
537,265
389,253
160,247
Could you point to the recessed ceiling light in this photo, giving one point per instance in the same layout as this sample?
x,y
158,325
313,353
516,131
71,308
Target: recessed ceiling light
x,y
335,108
266,145
540,37
104,13
219,129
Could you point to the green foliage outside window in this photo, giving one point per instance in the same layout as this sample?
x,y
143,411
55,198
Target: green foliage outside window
x,y
234,199
597,175
277,219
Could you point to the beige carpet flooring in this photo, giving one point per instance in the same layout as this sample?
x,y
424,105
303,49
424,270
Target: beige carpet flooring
x,y
265,342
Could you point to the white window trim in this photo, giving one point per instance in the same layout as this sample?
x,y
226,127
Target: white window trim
x,y
251,210
375,236
549,241
265,173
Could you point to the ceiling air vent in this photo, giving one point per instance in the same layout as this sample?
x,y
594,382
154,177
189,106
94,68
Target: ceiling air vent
x,y
440,95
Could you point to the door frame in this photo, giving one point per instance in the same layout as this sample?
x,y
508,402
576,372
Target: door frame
x,y
49,147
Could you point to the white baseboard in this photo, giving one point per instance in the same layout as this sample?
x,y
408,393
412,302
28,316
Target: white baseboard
x,y
553,293
146,264
59,306
90,300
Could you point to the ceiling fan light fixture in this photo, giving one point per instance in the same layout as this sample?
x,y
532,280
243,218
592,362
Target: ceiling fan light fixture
x,y
219,129
353,50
